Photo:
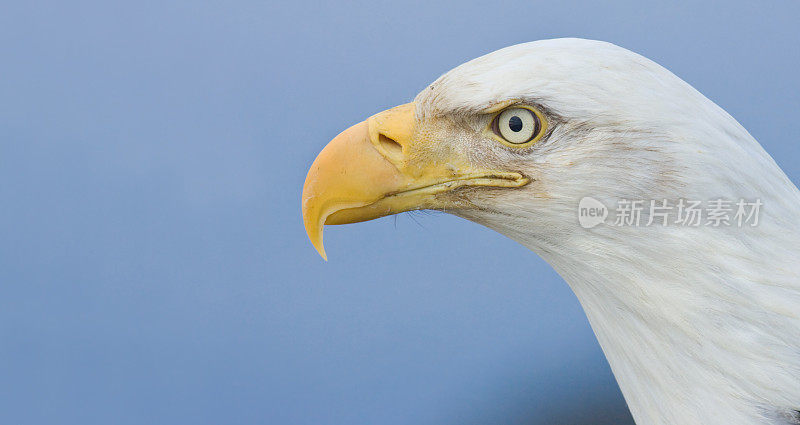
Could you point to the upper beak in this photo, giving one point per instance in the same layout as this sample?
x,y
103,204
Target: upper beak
x,y
374,169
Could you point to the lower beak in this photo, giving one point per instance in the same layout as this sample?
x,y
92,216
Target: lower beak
x,y
365,173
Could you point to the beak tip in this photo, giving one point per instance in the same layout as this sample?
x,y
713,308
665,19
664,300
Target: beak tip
x,y
321,250
316,240
314,232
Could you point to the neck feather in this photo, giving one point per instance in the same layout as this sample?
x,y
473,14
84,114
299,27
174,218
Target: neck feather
x,y
699,325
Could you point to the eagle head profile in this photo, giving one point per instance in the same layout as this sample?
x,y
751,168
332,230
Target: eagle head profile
x,y
699,320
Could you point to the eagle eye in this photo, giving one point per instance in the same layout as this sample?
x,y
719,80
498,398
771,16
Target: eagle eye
x,y
518,126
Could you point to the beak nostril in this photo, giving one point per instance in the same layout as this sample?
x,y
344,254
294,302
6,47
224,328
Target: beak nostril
x,y
390,146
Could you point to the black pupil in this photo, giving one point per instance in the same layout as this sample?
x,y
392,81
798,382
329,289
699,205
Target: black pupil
x,y
515,123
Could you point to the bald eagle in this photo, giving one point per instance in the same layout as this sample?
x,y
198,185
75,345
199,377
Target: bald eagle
x,y
700,323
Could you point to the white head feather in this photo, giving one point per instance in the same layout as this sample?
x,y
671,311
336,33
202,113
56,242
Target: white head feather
x,y
701,325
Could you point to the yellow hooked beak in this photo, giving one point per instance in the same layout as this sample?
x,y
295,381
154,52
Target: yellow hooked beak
x,y
385,166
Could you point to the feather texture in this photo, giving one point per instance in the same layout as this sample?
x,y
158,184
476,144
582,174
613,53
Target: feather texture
x,y
701,325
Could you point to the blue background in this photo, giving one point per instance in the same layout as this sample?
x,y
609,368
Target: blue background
x,y
153,263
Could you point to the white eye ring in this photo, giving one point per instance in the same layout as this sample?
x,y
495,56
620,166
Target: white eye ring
x,y
517,125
